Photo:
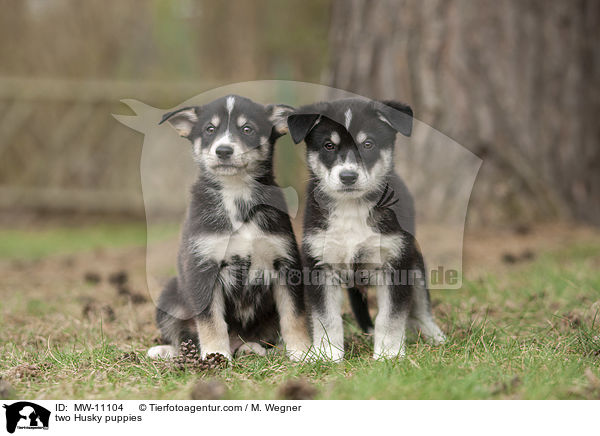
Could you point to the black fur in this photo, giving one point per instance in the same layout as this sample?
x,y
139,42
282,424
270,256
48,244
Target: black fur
x,y
366,143
188,297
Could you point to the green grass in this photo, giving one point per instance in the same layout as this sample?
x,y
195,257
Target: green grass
x,y
37,244
529,331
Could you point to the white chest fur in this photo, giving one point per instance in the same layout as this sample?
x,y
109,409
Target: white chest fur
x,y
348,234
247,241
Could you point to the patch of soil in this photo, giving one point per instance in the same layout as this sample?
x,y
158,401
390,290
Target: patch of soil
x,y
505,386
25,371
91,277
208,390
297,389
118,278
92,308
6,390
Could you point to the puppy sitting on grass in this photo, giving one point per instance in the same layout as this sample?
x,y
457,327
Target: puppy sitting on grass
x,y
354,224
238,249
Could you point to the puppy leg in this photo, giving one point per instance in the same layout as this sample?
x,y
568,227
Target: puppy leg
x,y
421,318
327,325
292,318
212,329
171,319
171,329
390,324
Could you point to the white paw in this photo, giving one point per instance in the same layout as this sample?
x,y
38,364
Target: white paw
x,y
327,352
297,352
438,339
389,353
162,352
251,348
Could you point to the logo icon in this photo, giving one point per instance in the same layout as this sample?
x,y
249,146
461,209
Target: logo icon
x,y
26,415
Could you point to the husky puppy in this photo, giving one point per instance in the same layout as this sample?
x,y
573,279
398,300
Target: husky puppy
x,y
234,290
359,225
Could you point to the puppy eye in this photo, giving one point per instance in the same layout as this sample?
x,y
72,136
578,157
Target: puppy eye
x,y
247,130
329,146
368,144
210,129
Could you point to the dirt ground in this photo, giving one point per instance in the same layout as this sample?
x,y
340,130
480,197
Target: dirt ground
x,y
90,280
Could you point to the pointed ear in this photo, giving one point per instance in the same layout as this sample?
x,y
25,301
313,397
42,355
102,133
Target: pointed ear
x,y
300,125
182,120
396,114
278,114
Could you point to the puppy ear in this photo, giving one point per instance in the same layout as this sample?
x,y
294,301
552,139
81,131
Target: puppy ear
x,y
182,120
300,125
278,114
396,114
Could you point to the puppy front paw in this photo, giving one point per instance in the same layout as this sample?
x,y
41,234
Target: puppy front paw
x,y
162,352
438,338
298,351
389,353
251,348
327,352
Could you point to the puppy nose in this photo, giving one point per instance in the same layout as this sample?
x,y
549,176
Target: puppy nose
x,y
348,177
224,151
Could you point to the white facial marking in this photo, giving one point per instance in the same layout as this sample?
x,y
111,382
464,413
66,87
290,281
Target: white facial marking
x,y
197,145
335,138
360,138
225,138
241,120
229,104
215,120
347,118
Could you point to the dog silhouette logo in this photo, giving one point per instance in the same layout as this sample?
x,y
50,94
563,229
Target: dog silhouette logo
x,y
26,415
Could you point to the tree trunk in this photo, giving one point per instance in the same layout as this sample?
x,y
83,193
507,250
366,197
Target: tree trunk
x,y
516,82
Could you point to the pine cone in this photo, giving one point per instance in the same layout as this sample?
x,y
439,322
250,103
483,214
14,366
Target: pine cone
x,y
189,359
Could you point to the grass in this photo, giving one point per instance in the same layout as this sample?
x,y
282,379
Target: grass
x,y
37,244
527,331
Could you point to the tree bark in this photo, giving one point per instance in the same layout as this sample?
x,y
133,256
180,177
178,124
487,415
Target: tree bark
x,y
516,82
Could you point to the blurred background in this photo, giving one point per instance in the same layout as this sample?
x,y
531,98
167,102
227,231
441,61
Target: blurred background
x,y
515,82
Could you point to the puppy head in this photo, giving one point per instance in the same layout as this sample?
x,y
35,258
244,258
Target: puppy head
x,y
232,135
350,142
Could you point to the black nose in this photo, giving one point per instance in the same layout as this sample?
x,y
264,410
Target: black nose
x,y
224,151
348,177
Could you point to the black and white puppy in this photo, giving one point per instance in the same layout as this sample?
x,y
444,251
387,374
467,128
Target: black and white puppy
x,y
238,249
359,223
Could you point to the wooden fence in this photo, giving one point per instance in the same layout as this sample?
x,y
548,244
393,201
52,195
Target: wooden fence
x,y
61,150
